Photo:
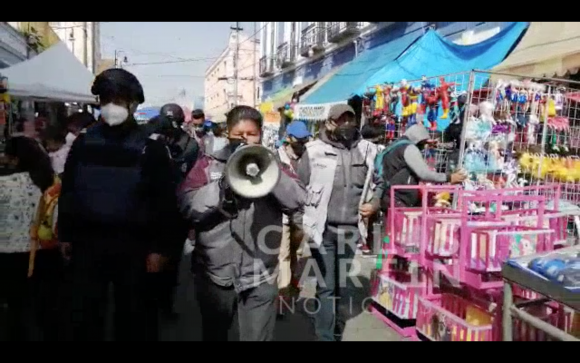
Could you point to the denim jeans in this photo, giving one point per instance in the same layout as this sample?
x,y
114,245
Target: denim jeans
x,y
334,259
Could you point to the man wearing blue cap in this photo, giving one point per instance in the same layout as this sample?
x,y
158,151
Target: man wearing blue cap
x,y
292,148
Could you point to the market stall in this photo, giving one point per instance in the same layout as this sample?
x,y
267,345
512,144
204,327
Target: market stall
x,y
518,141
53,75
411,57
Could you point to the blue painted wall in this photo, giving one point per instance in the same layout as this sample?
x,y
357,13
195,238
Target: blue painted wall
x,y
319,68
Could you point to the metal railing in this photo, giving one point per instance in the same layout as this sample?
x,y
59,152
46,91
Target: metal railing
x,y
286,54
339,30
313,37
266,66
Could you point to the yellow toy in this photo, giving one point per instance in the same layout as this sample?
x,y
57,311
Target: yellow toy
x,y
443,199
379,98
563,169
551,107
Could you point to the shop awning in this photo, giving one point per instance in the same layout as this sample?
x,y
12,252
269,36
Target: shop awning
x,y
280,98
55,74
351,76
433,55
548,49
269,108
321,82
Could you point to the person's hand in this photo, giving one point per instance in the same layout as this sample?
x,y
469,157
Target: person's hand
x,y
154,262
65,250
366,210
458,177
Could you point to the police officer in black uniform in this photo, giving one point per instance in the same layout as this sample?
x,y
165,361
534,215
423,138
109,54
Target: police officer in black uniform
x,y
115,208
184,151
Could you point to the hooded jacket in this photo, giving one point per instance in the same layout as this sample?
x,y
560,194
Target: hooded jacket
x,y
405,165
240,249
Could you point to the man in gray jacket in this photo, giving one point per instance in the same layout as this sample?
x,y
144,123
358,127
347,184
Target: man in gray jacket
x,y
337,170
402,163
237,239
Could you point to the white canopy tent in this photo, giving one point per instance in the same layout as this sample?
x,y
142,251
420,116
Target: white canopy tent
x,y
54,75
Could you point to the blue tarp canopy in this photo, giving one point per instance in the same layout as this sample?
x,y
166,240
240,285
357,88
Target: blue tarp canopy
x,y
353,75
433,55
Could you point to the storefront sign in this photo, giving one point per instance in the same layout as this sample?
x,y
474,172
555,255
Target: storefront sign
x,y
270,115
314,112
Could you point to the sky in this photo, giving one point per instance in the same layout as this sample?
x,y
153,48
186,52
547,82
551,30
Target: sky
x,y
184,51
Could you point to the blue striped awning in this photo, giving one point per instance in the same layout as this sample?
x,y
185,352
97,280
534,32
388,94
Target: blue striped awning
x,y
353,75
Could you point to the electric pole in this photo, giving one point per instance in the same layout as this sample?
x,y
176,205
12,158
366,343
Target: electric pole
x,y
255,50
237,29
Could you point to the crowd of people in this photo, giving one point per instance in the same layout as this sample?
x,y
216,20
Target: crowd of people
x,y
88,203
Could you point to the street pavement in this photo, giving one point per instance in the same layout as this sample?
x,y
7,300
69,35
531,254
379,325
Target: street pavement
x,y
295,325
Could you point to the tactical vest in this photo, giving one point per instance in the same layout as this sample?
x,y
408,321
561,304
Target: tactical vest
x,y
323,162
109,187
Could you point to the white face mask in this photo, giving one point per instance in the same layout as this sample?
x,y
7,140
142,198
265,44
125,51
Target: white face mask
x,y
114,114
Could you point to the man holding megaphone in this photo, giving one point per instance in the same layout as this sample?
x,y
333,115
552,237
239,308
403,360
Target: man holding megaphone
x,y
235,199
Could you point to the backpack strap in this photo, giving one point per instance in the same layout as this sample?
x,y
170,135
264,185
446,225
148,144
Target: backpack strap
x,y
379,159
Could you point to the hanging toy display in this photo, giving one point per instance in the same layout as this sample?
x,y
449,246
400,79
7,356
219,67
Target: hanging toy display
x,y
432,109
368,102
394,99
443,93
403,91
387,90
426,89
379,100
413,95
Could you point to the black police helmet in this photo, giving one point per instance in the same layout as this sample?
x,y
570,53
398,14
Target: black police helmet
x,y
173,112
117,83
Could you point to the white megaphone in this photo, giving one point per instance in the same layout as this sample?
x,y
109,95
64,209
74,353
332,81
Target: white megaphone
x,y
252,171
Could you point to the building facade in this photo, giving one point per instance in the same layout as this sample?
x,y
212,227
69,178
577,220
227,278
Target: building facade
x,y
13,45
219,84
294,53
83,39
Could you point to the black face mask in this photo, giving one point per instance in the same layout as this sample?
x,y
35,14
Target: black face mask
x,y
345,133
299,148
234,144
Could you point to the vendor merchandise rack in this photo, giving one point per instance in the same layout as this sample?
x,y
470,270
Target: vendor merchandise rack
x,y
480,86
547,290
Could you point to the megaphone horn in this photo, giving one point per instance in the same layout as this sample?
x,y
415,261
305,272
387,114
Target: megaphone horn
x,y
252,171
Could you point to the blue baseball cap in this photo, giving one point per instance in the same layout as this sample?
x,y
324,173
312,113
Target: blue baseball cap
x,y
298,130
208,123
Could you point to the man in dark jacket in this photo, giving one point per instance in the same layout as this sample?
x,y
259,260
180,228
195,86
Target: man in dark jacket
x,y
403,164
115,210
184,152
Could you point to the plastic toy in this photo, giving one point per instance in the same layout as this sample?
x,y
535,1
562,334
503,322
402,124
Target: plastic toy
x,y
426,89
433,109
413,94
379,98
443,92
403,91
